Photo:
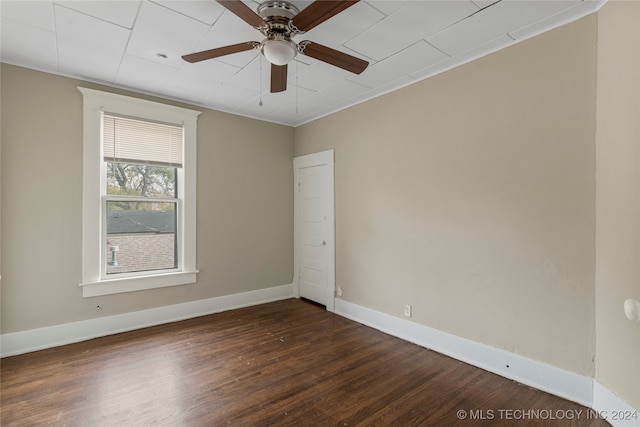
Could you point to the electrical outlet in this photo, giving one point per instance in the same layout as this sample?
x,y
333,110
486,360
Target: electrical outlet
x,y
407,310
339,291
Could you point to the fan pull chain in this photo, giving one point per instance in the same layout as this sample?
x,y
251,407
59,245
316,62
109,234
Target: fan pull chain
x,y
297,85
260,103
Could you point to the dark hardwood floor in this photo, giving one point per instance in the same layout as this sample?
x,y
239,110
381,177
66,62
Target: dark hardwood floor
x,y
284,363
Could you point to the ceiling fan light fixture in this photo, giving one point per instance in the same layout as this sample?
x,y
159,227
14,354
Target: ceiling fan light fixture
x,y
279,52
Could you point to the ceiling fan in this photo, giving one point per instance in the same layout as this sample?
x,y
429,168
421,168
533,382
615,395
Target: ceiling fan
x,y
278,21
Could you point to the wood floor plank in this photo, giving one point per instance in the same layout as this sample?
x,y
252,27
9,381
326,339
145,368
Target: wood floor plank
x,y
277,364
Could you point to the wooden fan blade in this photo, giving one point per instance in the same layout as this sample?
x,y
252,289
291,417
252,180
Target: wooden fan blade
x,y
278,78
334,57
318,12
243,12
220,51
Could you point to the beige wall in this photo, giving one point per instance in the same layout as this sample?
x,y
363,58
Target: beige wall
x,y
618,198
471,195
245,206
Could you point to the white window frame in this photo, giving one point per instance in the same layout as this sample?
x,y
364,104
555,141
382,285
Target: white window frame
x,y
96,102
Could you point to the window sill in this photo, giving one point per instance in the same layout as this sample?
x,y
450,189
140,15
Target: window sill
x,y
140,283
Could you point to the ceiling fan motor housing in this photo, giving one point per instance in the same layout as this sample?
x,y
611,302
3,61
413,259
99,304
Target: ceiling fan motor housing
x,y
278,47
277,15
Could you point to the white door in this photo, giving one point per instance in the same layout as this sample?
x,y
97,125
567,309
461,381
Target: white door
x,y
314,260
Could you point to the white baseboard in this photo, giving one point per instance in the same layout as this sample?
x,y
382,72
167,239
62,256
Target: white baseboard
x,y
549,378
51,336
612,408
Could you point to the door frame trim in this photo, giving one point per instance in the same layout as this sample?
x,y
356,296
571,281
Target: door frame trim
x,y
323,158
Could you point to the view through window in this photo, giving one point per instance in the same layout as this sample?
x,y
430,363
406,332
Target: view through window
x,y
141,196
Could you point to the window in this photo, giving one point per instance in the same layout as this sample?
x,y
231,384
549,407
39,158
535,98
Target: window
x,y
138,194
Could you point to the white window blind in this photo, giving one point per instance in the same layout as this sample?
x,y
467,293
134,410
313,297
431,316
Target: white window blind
x,y
128,140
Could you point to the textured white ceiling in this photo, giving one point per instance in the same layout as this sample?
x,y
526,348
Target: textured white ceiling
x,y
119,43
